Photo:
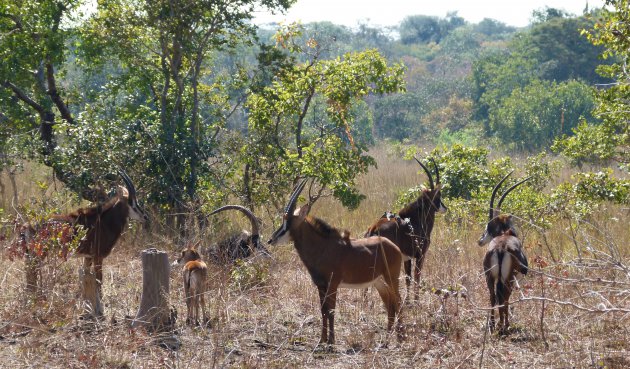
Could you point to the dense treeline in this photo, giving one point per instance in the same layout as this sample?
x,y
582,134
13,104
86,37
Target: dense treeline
x,y
199,105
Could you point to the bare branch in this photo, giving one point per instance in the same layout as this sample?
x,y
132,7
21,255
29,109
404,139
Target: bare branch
x,y
54,95
24,97
600,309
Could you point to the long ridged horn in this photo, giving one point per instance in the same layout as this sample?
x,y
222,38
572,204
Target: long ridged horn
x,y
248,213
494,193
288,210
130,187
508,191
437,171
427,172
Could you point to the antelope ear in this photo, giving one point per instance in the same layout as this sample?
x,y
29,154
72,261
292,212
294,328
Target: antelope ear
x,y
122,191
303,211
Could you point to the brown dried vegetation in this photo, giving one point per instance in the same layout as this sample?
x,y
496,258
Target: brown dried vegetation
x,y
572,311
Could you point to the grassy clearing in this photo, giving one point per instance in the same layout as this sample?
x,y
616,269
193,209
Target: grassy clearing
x,y
273,321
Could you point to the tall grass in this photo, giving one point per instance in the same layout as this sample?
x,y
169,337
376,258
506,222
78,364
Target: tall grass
x,y
572,309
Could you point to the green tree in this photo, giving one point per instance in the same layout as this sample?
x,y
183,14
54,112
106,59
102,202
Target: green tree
x,y
398,116
532,116
609,140
494,77
562,51
167,94
493,28
32,56
304,123
425,29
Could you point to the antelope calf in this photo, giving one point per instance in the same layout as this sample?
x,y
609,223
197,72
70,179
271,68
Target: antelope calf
x,y
504,259
334,260
195,273
411,228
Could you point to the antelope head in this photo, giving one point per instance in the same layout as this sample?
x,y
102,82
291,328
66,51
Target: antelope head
x,y
136,212
190,253
498,223
434,192
291,217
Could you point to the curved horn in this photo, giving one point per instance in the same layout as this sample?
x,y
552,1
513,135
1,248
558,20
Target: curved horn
x,y
508,191
494,193
427,172
248,213
437,171
128,183
288,210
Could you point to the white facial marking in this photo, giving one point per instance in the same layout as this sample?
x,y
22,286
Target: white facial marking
x,y
485,238
284,238
135,214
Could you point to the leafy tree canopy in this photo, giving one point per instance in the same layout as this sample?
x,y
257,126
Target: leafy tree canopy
x,y
609,140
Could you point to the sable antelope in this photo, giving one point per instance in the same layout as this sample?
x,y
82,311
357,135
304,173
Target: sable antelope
x,y
334,260
241,245
504,259
411,228
195,273
104,224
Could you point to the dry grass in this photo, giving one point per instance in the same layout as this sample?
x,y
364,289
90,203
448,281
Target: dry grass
x,y
276,323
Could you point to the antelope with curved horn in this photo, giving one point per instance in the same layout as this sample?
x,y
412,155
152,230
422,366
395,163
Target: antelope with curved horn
x,y
504,259
104,224
411,228
241,245
333,260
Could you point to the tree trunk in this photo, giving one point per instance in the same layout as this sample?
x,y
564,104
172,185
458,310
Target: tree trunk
x,y
90,295
154,311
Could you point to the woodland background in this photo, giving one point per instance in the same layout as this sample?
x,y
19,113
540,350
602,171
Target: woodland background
x,y
202,108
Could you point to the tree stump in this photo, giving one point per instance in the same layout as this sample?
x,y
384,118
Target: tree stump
x,y
154,313
90,295
32,273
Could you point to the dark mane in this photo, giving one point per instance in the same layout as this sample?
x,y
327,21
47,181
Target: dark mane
x,y
87,216
412,208
323,228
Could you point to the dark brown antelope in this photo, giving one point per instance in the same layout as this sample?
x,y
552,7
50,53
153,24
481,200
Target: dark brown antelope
x,y
104,223
411,228
504,259
334,260
241,245
195,273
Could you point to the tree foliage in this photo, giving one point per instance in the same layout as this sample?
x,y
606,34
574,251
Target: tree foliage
x,y
532,116
425,29
32,53
303,124
609,140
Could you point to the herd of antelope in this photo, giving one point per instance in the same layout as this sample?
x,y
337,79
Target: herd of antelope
x,y
332,258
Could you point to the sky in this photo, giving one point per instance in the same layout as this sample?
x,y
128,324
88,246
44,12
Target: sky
x,y
390,12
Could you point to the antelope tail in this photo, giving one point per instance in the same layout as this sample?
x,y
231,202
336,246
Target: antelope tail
x,y
501,286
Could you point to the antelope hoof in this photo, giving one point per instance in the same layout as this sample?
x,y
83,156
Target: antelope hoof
x,y
324,346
